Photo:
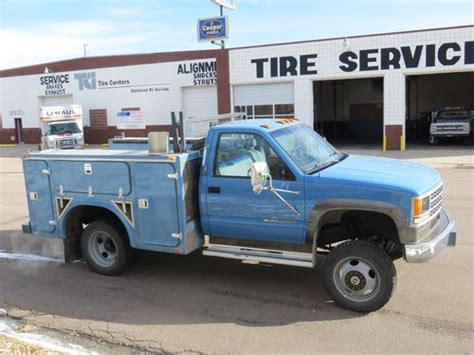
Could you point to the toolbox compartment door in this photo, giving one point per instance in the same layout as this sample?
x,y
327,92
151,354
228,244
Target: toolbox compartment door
x,y
159,220
38,194
101,178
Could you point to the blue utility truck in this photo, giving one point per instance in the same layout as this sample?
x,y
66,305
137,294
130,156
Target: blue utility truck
x,y
259,191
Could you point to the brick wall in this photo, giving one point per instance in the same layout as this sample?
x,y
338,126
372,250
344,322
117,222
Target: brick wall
x,y
30,135
6,134
99,136
98,119
223,84
393,136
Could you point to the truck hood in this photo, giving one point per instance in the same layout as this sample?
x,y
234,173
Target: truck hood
x,y
384,173
65,135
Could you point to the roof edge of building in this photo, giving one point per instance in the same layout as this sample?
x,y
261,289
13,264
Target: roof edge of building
x,y
351,37
83,63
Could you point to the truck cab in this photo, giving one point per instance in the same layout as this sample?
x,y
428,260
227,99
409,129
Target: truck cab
x,y
260,191
63,135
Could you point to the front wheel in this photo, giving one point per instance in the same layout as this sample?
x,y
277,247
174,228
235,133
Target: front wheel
x,y
434,140
359,276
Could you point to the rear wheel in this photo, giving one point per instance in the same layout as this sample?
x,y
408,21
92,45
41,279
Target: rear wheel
x,y
104,247
359,276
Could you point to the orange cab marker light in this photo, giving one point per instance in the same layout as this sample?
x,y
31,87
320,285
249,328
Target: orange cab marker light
x,y
417,206
267,126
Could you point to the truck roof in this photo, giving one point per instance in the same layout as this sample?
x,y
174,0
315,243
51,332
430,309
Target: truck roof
x,y
264,125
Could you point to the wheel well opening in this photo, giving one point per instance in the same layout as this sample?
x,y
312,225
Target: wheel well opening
x,y
77,220
341,225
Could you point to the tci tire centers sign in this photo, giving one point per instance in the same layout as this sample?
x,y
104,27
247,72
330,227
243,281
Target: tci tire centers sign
x,y
215,28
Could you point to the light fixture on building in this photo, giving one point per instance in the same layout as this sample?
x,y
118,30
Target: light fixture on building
x,y
346,43
46,70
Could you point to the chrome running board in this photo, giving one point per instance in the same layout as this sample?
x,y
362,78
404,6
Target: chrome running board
x,y
258,255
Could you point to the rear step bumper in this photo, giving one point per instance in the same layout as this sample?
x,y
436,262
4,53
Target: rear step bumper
x,y
26,228
258,255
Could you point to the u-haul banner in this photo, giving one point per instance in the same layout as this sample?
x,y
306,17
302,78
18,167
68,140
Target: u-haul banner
x,y
59,113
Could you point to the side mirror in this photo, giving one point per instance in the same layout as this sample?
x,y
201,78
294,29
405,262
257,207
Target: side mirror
x,y
258,176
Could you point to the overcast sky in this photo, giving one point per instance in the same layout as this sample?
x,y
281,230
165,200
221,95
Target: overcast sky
x,y
38,31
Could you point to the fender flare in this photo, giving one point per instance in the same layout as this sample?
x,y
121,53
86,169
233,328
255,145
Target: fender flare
x,y
321,208
109,207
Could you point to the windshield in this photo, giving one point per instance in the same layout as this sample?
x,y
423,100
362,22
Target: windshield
x,y
306,148
63,128
452,115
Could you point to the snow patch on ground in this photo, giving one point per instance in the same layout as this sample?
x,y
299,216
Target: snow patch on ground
x,y
27,257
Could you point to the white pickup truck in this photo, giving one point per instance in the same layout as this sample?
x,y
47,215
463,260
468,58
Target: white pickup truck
x,y
451,122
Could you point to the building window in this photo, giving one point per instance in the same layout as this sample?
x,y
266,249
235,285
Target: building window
x,y
267,111
284,110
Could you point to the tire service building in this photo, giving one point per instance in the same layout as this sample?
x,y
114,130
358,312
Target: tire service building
x,y
360,89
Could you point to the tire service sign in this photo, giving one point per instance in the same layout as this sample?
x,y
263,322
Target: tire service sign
x,y
215,28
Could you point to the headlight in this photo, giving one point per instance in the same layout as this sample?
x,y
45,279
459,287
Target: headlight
x,y
421,207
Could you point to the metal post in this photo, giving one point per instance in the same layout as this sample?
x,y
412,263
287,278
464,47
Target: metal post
x,y
174,133
181,131
222,14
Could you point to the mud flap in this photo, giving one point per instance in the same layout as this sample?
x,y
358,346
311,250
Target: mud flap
x,y
72,250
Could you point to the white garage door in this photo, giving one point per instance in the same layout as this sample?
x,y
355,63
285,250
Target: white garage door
x,y
199,107
200,102
265,100
56,100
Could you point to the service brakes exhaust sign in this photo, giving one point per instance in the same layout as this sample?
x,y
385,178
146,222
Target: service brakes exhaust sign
x,y
215,28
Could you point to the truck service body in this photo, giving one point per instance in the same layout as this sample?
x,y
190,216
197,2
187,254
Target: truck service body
x,y
268,191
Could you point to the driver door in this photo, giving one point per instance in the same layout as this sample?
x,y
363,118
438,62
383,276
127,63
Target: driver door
x,y
235,211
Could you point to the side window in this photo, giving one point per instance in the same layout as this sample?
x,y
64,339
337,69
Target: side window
x,y
236,152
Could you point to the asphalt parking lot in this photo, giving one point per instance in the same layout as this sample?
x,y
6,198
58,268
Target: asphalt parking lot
x,y
196,304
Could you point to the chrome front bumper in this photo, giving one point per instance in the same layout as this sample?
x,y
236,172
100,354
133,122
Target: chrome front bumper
x,y
442,236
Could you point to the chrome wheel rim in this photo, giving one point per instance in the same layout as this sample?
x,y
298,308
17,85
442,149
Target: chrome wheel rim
x,y
356,279
102,249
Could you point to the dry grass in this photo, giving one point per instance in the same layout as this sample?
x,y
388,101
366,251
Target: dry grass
x,y
13,346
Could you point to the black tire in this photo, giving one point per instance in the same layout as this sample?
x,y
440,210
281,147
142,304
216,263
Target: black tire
x,y
434,140
105,248
356,267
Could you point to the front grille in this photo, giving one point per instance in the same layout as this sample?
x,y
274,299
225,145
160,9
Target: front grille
x,y
451,128
436,200
64,143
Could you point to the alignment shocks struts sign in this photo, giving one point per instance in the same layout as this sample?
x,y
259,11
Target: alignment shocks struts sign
x,y
204,73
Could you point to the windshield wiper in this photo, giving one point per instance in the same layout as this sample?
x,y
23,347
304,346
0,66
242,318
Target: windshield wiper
x,y
327,163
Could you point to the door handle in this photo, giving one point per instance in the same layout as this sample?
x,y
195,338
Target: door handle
x,y
214,189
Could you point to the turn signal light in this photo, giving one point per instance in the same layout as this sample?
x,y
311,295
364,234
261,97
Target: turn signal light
x,y
417,207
